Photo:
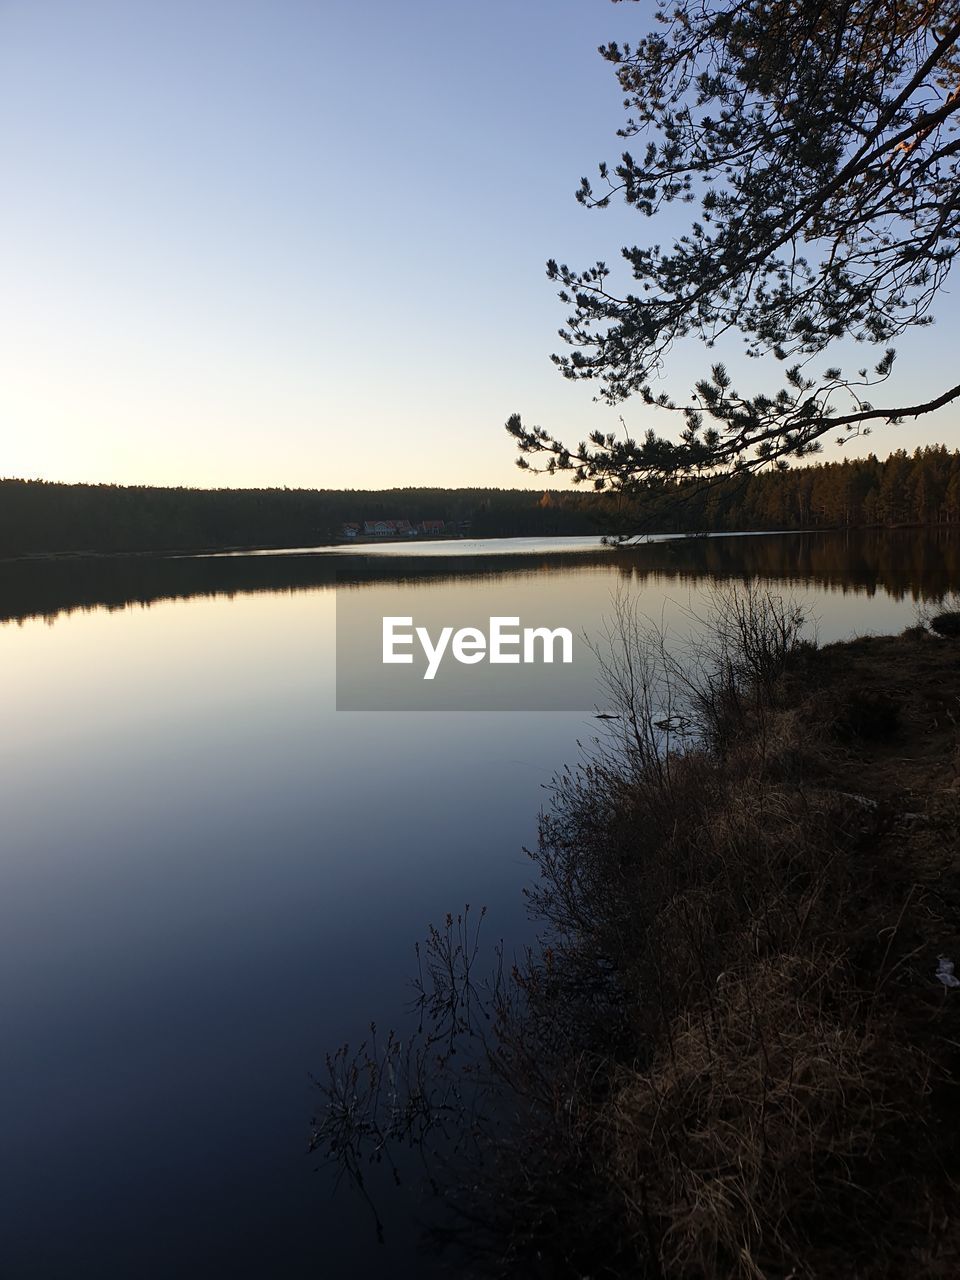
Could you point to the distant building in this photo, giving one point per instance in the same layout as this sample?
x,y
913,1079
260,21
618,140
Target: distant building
x,y
387,528
431,526
350,531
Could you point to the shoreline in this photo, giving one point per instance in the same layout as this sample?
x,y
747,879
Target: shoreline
x,y
321,548
737,1051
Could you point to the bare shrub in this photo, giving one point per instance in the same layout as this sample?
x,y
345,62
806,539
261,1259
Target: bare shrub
x,y
749,636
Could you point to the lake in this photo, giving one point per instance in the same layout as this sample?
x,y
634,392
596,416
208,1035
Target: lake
x,y
211,876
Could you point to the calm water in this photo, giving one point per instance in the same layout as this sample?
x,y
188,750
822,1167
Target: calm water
x,y
210,876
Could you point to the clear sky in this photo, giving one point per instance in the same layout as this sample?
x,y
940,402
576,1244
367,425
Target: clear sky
x,y
246,242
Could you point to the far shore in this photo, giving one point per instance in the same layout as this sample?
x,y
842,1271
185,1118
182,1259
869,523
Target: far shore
x,y
630,540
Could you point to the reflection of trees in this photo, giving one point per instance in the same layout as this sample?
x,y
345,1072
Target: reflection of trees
x,y
917,563
45,588
922,563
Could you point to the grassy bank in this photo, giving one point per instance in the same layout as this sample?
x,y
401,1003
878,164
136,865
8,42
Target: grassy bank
x,y
732,1055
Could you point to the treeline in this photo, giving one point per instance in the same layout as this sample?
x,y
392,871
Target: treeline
x,y
37,516
903,489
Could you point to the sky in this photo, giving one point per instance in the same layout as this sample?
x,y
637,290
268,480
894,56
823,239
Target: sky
x,y
272,242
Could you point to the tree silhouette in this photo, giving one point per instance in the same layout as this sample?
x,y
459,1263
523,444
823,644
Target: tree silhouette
x,y
817,141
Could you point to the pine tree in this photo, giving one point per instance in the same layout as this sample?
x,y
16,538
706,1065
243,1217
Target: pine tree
x,y
815,142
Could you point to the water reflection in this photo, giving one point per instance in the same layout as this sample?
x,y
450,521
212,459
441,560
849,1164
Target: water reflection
x,y
209,877
919,564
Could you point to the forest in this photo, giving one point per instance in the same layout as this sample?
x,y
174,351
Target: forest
x,y
922,488
37,517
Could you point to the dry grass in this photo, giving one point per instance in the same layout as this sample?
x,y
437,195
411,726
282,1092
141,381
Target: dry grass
x,y
758,921
731,1059
758,1113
